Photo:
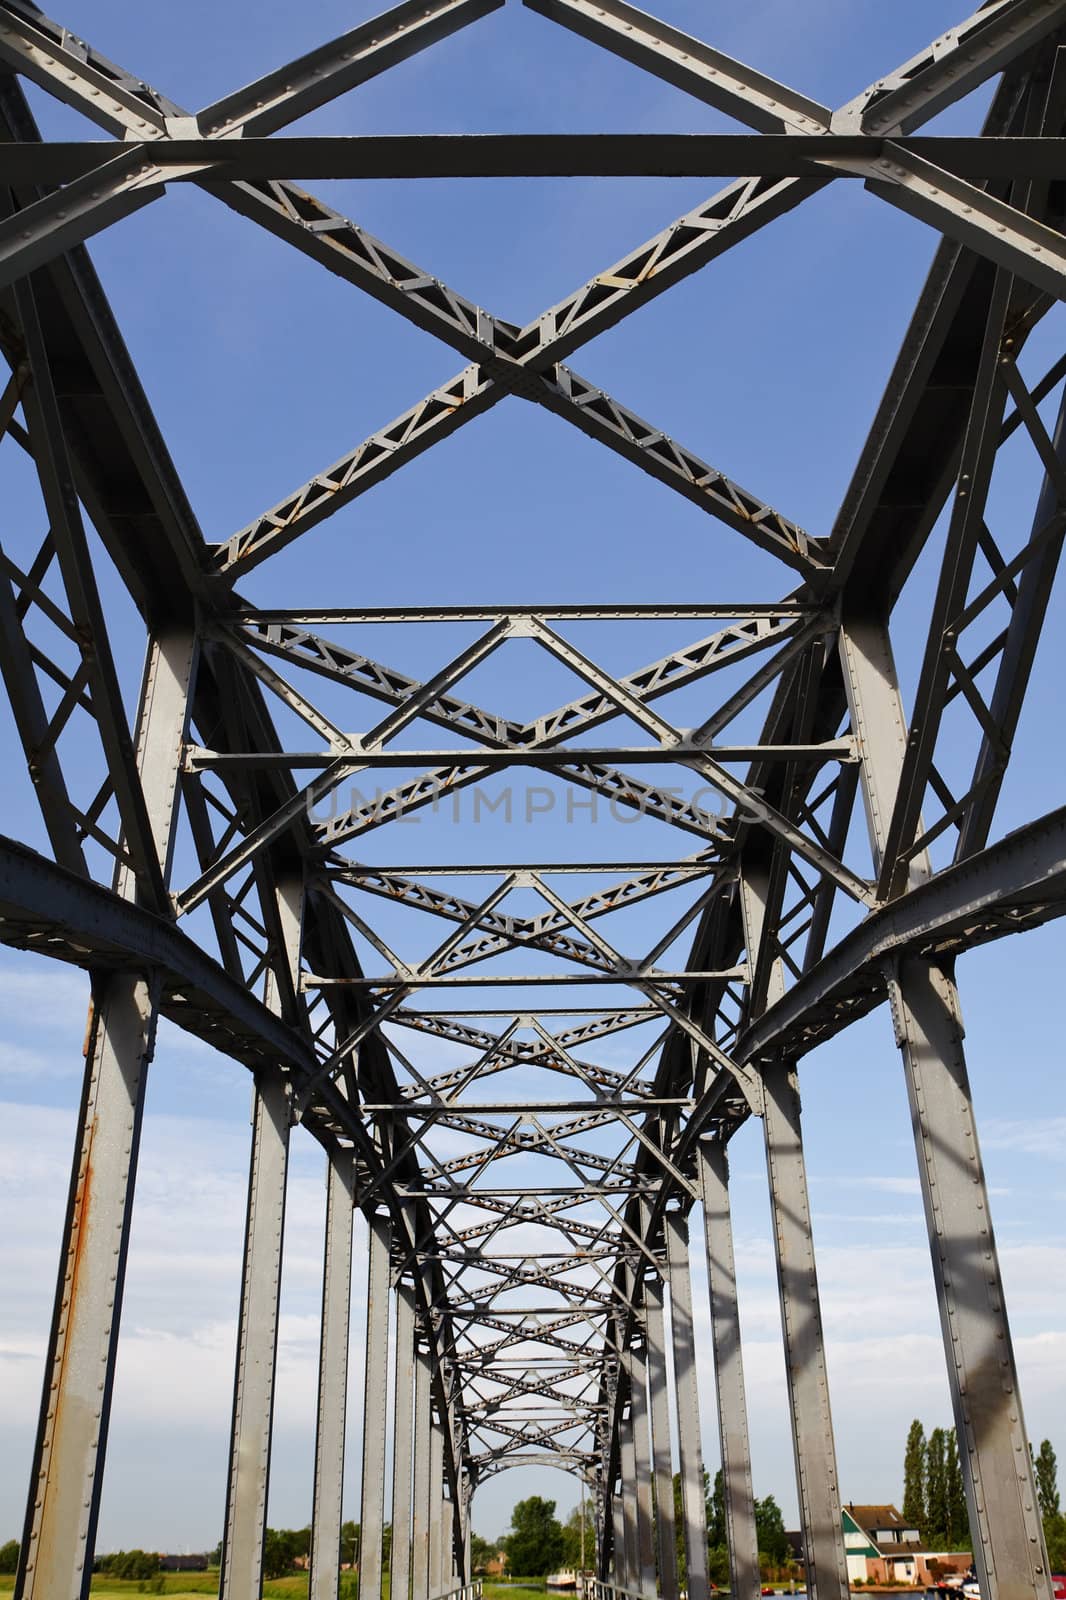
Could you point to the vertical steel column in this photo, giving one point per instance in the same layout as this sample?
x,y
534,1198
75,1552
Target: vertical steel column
x,y
638,1377
257,1339
244,1529
662,1463
628,1459
1001,1499
729,1372
619,1573
687,1396
603,1536
801,1320
64,1499
453,1527
468,1512
421,1490
453,1544
447,1557
375,1407
403,1441
1001,1496
436,1498
332,1381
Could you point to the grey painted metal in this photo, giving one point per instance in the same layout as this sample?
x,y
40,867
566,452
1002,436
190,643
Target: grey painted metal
x,y
745,1580
420,1566
1023,635
403,1440
468,1528
198,994
558,1377
149,772
327,1507
457,1545
801,1321
619,1564
65,1482
708,74
468,155
1001,1497
437,1540
375,1404
447,1544
642,1465
659,1417
247,1487
627,1456
244,1531
687,1401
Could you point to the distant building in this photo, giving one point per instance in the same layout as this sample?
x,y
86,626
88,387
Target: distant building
x,y
496,1565
795,1547
883,1524
859,1547
182,1563
881,1548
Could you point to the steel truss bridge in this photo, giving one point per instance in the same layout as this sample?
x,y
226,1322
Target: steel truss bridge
x,y
208,859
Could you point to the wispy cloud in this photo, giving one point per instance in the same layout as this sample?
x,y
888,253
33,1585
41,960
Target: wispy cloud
x,y
1045,1136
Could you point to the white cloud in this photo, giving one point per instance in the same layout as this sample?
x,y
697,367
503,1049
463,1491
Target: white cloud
x,y
1045,1136
50,995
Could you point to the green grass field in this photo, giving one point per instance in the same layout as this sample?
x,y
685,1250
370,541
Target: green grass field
x,y
193,1586
183,1586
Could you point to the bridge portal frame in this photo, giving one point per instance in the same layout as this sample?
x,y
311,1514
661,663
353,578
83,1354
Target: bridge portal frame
x,y
324,1059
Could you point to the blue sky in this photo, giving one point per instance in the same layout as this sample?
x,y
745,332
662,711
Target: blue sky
x,y
262,370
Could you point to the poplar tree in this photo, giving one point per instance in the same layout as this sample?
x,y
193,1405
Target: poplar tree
x,y
936,1499
1047,1480
958,1518
914,1477
716,1531
1047,1489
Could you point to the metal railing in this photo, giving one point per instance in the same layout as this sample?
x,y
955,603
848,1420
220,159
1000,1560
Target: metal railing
x,y
466,1591
598,1589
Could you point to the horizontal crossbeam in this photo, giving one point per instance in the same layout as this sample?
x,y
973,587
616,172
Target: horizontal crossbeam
x,y
527,155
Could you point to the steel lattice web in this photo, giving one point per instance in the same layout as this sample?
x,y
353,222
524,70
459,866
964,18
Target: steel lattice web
x,y
525,1071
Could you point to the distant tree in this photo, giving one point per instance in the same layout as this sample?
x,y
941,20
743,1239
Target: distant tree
x,y
574,1548
1047,1480
679,1534
350,1543
770,1531
914,1512
386,1546
718,1565
958,1518
936,1498
128,1564
679,1521
215,1557
1047,1488
9,1556
535,1544
481,1552
280,1549
716,1529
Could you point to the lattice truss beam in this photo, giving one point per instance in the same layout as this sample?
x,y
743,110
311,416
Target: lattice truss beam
x,y
529,1146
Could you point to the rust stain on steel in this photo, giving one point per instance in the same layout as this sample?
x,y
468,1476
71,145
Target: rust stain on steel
x,y
73,1417
90,1019
82,1207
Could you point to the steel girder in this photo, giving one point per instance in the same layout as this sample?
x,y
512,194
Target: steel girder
x,y
529,1316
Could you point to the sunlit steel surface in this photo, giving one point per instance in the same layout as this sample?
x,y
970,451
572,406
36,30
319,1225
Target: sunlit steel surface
x,y
529,1322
